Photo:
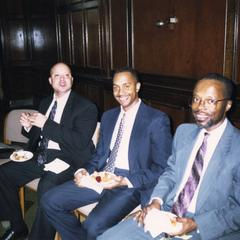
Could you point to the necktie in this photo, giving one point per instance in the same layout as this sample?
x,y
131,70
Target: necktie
x,y
42,156
184,198
112,158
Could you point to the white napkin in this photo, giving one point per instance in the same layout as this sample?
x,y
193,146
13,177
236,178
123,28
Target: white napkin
x,y
56,166
89,182
157,222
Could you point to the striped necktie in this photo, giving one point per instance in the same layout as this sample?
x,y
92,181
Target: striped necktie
x,y
42,156
112,158
185,197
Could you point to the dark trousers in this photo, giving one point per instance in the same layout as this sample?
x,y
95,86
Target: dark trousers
x,y
13,175
113,206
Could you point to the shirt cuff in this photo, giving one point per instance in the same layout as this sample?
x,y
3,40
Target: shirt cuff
x,y
157,198
80,169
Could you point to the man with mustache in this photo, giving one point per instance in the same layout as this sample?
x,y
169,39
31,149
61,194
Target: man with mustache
x,y
200,186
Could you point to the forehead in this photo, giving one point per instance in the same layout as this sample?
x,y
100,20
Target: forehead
x,y
123,78
60,68
209,88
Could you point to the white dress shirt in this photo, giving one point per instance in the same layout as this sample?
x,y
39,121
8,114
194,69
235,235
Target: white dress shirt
x,y
122,160
61,102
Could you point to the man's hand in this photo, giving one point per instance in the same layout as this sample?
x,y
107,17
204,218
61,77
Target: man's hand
x,y
118,181
24,120
37,119
142,214
78,176
188,225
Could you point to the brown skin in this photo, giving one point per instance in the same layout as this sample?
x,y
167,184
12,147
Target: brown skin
x,y
125,91
208,118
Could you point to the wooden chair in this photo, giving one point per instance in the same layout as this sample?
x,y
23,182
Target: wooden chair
x,y
33,185
12,135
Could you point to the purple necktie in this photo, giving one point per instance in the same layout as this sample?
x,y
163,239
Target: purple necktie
x,y
185,196
112,158
42,156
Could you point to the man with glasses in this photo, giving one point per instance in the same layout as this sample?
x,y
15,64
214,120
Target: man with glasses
x,y
198,195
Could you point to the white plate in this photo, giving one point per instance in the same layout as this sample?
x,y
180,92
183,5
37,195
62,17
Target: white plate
x,y
104,176
21,156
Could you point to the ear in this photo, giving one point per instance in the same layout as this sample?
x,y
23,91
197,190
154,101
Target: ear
x,y
138,86
229,105
50,80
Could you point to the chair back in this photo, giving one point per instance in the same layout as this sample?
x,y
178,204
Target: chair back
x,y
12,126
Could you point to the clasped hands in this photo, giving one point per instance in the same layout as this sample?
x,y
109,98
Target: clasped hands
x,y
184,225
117,181
28,120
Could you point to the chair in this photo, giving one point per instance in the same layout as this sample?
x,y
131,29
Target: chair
x,y
34,183
12,135
12,127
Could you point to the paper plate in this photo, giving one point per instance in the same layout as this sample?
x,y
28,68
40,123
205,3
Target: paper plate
x,y
21,156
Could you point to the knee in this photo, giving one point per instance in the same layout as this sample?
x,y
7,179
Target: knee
x,y
47,201
92,228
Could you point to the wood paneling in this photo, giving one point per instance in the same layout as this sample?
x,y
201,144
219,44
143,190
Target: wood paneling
x,y
186,49
78,39
119,34
64,38
16,45
44,46
93,38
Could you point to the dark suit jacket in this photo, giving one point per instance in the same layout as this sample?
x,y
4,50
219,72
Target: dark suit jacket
x,y
150,146
218,203
73,134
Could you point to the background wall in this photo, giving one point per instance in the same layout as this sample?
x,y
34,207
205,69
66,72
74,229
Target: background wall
x,y
98,36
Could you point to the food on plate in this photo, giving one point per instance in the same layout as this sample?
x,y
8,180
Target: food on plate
x,y
102,177
20,155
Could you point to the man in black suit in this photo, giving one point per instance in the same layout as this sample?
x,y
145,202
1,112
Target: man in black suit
x,y
60,131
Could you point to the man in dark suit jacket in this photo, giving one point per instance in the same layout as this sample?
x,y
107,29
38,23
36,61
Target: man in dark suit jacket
x,y
68,139
141,158
213,212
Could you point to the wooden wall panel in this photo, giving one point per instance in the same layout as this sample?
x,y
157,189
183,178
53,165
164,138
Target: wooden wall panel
x,y
78,39
186,49
119,34
16,45
64,37
44,46
93,38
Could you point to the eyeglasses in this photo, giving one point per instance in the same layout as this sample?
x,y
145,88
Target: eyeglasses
x,y
206,102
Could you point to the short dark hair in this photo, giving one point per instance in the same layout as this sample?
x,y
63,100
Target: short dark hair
x,y
228,84
132,71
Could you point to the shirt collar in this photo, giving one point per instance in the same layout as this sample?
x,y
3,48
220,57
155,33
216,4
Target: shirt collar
x,y
217,131
63,98
132,110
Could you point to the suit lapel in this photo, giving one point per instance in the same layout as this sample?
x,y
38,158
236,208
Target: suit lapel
x,y
215,166
136,135
67,109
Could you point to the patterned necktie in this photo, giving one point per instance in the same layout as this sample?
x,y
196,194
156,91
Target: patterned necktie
x,y
112,158
184,198
42,156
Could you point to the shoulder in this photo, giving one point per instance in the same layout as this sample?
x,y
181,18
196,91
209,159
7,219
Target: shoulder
x,y
186,129
111,112
80,101
151,113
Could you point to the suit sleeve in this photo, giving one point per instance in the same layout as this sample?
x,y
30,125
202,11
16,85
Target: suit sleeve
x,y
167,181
225,220
159,142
